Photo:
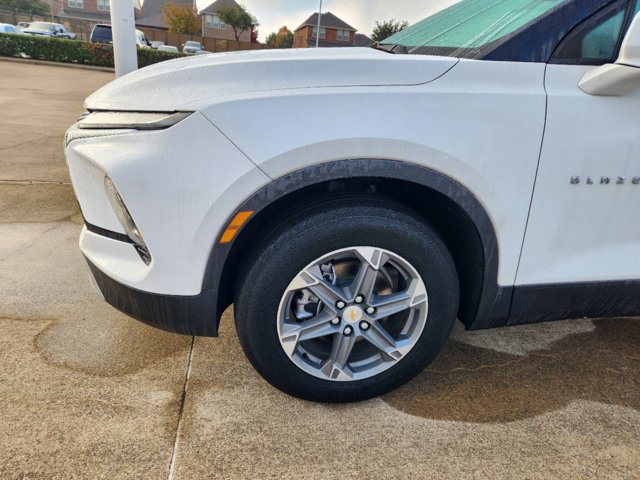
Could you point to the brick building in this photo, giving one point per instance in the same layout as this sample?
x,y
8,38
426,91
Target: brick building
x,y
213,27
334,32
97,10
151,14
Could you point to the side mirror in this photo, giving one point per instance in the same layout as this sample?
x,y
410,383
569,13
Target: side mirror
x,y
615,79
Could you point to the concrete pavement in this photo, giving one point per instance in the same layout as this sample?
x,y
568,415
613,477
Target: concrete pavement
x,y
86,392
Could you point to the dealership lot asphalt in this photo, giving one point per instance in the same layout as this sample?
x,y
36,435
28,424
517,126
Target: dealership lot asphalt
x,y
86,392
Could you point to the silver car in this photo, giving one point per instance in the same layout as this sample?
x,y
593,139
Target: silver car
x,y
191,47
7,28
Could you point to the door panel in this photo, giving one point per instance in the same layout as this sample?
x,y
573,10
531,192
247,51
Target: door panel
x,y
585,216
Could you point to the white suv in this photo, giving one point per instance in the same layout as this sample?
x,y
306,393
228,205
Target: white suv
x,y
482,164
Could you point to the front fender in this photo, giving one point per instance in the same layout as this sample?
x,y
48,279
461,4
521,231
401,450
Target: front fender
x,y
491,309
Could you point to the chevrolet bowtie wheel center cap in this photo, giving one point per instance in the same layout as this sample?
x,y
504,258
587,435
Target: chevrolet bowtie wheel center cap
x,y
352,314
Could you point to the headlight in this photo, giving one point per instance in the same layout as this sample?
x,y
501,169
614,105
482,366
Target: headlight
x,y
130,120
125,219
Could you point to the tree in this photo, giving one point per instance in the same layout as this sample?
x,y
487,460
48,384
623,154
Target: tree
x,y
181,18
238,18
387,28
30,7
282,39
271,39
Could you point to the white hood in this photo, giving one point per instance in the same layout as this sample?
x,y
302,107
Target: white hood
x,y
170,85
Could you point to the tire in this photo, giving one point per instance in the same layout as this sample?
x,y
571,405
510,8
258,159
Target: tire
x,y
346,245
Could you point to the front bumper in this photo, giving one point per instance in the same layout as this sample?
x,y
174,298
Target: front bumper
x,y
186,315
180,185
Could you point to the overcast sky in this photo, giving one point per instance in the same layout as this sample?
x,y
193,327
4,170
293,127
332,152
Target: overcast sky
x,y
360,14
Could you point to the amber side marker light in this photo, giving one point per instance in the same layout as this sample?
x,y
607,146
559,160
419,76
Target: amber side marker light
x,y
234,226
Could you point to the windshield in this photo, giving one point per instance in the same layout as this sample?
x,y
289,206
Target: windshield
x,y
192,44
464,28
42,26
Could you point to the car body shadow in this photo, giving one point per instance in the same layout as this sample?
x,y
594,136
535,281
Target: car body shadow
x,y
471,384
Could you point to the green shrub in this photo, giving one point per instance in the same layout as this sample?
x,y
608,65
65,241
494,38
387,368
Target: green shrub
x,y
72,51
149,56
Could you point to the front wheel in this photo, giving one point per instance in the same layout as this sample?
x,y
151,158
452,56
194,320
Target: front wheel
x,y
346,301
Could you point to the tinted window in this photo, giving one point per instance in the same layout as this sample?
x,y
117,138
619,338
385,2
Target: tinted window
x,y
600,43
595,41
101,34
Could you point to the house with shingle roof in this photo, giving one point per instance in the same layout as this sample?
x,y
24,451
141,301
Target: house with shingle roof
x,y
334,32
363,40
151,13
213,27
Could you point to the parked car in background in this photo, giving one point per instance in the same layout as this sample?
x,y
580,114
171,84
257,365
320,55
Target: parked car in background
x,y
482,164
191,47
101,33
168,48
7,28
63,33
48,29
141,39
156,44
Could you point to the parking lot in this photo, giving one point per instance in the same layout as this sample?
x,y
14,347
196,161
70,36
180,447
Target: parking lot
x,y
86,392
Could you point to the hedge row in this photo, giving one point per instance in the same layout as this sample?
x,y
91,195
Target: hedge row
x,y
72,51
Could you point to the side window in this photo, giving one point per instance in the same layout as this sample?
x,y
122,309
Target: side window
x,y
600,43
596,40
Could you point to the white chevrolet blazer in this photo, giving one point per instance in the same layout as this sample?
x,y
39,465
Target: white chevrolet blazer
x,y
483,164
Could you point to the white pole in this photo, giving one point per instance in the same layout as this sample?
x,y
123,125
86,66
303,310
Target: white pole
x,y
319,23
123,28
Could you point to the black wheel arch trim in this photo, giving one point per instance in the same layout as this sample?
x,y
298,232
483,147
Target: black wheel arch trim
x,y
492,307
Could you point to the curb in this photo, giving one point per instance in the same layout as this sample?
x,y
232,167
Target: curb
x,y
57,64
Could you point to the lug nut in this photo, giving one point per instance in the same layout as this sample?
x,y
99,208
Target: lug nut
x,y
359,299
371,311
364,325
335,321
348,330
340,304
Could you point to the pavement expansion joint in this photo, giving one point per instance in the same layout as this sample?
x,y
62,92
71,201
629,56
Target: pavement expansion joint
x,y
183,398
9,147
33,182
